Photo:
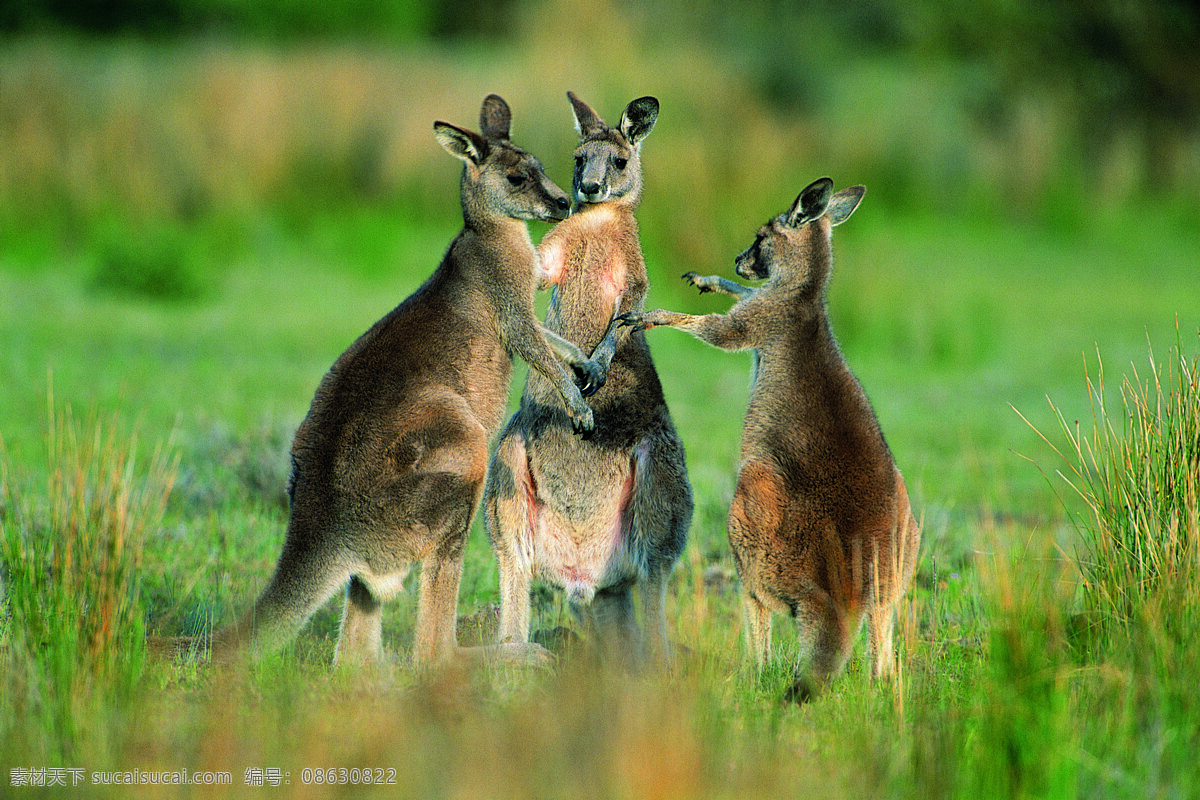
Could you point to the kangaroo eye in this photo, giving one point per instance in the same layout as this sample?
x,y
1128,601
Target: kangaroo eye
x,y
516,180
620,163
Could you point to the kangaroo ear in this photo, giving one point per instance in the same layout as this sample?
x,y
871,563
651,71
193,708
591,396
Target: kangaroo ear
x,y
811,203
461,143
587,121
638,119
842,204
495,118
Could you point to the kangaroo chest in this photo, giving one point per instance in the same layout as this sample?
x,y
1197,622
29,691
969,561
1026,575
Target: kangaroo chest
x,y
587,260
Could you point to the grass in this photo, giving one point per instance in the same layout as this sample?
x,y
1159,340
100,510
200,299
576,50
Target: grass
x,y
1140,487
72,554
999,691
1007,684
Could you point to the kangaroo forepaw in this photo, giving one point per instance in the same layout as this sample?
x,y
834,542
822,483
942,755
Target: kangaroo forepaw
x,y
695,280
589,377
633,319
583,422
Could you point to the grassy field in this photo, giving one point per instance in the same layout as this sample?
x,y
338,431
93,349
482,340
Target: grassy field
x,y
145,435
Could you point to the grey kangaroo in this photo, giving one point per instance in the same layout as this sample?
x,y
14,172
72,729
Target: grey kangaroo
x,y
594,515
388,466
820,525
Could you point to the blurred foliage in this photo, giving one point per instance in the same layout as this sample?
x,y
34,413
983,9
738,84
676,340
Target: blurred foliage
x,y
1122,57
259,119
285,19
161,264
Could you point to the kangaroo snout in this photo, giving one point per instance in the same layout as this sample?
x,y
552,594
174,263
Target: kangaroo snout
x,y
560,207
746,265
591,192
742,267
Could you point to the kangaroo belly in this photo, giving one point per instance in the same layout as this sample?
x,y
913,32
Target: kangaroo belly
x,y
578,522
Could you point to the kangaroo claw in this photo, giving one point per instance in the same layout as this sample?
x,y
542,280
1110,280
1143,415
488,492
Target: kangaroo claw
x,y
589,377
583,423
692,277
632,319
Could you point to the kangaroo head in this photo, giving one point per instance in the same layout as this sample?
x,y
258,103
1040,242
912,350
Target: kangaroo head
x,y
607,160
794,246
499,178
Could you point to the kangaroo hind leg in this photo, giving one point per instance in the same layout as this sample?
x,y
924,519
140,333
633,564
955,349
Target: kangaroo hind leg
x,y
421,504
755,517
615,627
509,507
509,504
757,621
660,514
880,623
361,635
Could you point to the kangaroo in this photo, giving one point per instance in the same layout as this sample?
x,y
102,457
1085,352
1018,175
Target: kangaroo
x,y
820,524
388,466
596,515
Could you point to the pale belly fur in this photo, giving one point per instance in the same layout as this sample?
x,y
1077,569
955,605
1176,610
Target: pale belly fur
x,y
580,542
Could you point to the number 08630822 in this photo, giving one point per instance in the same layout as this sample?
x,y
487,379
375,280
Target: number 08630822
x,y
342,775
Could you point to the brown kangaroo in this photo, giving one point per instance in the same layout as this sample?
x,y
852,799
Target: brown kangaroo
x,y
388,466
594,515
820,524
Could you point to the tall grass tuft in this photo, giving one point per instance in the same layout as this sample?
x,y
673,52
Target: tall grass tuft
x,y
1027,738
1138,474
71,552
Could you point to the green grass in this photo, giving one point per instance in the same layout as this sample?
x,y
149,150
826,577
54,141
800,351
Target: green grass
x,y
998,692
72,555
1138,474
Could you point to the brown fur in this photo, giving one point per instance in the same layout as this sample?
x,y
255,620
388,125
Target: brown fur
x,y
388,466
820,524
596,515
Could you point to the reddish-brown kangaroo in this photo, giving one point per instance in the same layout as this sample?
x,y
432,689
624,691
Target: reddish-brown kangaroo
x,y
388,466
820,524
599,514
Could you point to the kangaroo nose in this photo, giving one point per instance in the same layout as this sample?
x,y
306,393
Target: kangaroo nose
x,y
589,187
562,202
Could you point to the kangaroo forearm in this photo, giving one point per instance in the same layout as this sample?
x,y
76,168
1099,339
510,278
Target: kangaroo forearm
x,y
606,348
718,285
565,349
539,355
534,349
604,351
719,330
725,286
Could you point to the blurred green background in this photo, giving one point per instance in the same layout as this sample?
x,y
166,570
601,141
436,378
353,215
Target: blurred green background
x,y
202,202
1028,110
